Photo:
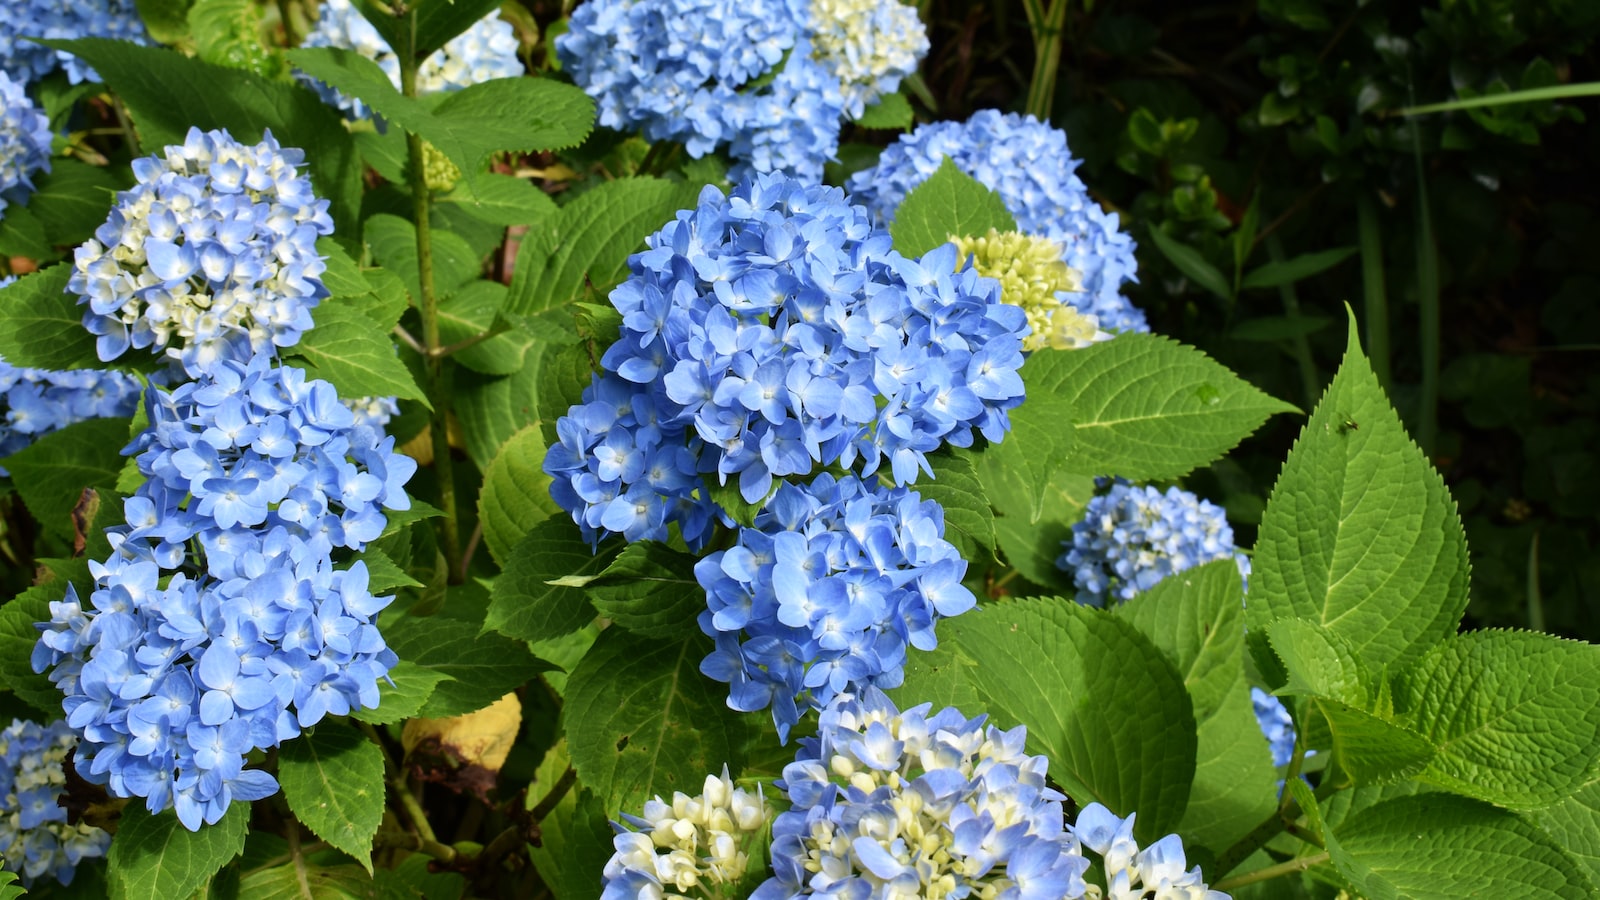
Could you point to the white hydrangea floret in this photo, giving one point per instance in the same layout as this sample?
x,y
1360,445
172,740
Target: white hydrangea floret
x,y
693,847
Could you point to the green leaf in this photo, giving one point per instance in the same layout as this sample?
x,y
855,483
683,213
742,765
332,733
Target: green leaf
x,y
576,841
1370,749
1071,673
524,604
504,200
332,777
306,882
516,494
22,234
473,311
1189,261
1196,618
590,241
1442,847
17,640
228,33
52,473
641,720
168,93
1148,408
412,687
72,200
166,20
156,858
1574,823
9,889
650,589
521,114
1360,534
1515,715
393,242
968,520
891,112
437,22
1041,438
383,575
482,668
359,360
1319,662
1277,274
42,325
949,204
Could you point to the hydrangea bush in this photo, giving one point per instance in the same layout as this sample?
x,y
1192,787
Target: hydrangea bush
x,y
468,524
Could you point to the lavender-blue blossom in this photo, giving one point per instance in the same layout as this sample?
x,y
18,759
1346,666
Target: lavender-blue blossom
x,y
769,334
1028,164
212,256
35,839
485,51
836,581
27,61
1133,536
24,142
225,618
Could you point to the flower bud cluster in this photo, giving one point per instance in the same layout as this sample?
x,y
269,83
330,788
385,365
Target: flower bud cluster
x,y
27,61
486,51
1153,873
694,848
1134,536
768,79
220,623
35,839
826,593
211,256
1032,276
1027,163
890,804
24,142
770,334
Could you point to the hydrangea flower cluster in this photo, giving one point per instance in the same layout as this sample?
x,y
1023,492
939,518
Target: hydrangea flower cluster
x,y
1027,163
486,51
27,61
35,402
769,79
769,334
211,256
219,623
24,142
904,805
691,847
1155,872
1134,536
826,592
1276,725
1032,276
35,839
373,412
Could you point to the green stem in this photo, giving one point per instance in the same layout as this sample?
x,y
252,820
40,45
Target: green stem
x,y
1047,25
1428,307
402,840
1535,595
1302,347
437,368
396,777
1377,296
1292,867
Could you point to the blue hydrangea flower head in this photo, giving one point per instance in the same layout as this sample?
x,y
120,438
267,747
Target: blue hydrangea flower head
x,y
769,79
1133,536
35,839
1156,871
693,846
373,412
1028,164
486,51
26,61
212,256
769,334
24,142
826,594
919,804
221,623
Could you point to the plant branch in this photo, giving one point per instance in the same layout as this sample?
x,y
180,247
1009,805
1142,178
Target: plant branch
x,y
552,799
403,840
396,777
1046,56
1293,866
1258,837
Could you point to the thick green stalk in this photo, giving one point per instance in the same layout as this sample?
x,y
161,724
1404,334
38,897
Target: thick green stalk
x,y
1309,383
1047,25
1373,288
438,367
1428,308
1291,867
